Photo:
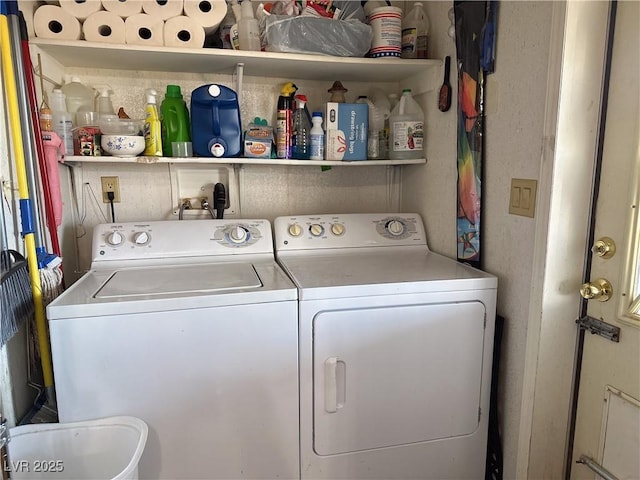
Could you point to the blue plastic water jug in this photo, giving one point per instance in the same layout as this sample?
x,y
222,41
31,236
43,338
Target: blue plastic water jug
x,y
216,129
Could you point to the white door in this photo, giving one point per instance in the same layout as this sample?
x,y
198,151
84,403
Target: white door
x,y
607,430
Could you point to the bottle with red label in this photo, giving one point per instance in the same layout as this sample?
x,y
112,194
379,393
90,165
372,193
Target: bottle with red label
x,y
284,121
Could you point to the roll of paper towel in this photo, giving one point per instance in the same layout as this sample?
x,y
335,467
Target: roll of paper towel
x,y
28,8
183,31
81,9
51,21
208,13
143,29
163,8
123,8
104,27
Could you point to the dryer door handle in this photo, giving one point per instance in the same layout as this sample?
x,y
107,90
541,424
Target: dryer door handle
x,y
334,384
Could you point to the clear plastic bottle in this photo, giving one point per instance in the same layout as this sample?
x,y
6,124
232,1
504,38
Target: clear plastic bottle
x,y
62,122
78,97
248,29
406,125
317,137
415,31
301,136
104,105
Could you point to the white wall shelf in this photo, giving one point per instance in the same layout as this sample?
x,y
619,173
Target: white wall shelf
x,y
74,159
210,60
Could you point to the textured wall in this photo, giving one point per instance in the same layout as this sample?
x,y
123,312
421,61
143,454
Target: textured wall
x,y
514,129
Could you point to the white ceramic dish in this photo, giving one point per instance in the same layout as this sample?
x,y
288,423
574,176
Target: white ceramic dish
x,y
122,145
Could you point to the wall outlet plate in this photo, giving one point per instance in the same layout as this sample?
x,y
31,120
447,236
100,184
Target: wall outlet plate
x,y
110,184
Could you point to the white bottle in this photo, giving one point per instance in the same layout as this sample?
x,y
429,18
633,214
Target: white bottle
x,y
317,137
248,29
415,31
78,97
406,125
104,106
61,119
225,28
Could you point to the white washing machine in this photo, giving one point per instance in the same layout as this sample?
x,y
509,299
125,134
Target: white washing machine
x,y
395,349
191,326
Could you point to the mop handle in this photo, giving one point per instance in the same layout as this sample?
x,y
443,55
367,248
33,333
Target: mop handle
x,y
16,136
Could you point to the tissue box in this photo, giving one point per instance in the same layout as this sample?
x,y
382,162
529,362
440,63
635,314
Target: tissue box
x,y
346,131
258,140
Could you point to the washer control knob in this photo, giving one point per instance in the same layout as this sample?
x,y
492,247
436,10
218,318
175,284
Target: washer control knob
x,y
141,238
395,228
238,234
316,229
295,230
337,229
115,238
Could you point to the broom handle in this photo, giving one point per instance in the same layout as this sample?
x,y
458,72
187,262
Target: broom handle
x,y
35,124
25,209
27,140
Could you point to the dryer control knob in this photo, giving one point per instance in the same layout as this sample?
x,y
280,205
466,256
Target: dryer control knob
x,y
238,234
316,229
141,238
114,239
337,229
395,228
295,230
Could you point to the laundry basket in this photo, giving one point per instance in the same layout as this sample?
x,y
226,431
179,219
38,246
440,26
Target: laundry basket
x,y
107,448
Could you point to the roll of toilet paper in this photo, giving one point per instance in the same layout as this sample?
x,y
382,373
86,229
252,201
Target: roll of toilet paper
x,y
207,13
104,27
123,8
51,21
81,9
28,8
163,8
144,29
183,31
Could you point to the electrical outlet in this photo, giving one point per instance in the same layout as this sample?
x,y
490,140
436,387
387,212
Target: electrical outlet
x,y
110,184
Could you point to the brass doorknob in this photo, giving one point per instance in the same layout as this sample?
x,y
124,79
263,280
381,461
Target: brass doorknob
x,y
599,289
604,247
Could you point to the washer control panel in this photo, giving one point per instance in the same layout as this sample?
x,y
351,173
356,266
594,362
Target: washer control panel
x,y
193,238
348,231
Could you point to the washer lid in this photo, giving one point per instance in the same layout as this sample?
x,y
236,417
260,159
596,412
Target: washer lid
x,y
176,280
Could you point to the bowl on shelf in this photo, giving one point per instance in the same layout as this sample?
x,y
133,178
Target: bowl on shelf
x,y
112,125
122,145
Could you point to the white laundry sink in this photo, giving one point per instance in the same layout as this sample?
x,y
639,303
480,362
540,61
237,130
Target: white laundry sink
x,y
107,448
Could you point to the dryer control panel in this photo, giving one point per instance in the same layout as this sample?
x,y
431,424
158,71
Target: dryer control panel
x,y
348,231
188,238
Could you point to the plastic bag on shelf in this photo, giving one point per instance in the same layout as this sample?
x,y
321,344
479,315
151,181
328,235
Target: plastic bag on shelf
x,y
340,38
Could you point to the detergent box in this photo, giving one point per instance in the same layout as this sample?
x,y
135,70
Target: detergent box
x,y
346,126
258,140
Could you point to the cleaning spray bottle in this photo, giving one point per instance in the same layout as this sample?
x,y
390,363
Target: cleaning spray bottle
x,y
152,126
104,105
284,120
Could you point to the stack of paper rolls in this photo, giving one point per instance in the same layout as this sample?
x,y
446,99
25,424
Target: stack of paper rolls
x,y
171,23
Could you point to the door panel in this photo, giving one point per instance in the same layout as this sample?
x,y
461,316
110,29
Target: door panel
x,y
609,366
396,375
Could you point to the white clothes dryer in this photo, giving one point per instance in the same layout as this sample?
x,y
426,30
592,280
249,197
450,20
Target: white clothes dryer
x,y
395,349
192,327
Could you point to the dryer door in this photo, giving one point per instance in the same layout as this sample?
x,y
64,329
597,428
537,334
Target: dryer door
x,y
396,375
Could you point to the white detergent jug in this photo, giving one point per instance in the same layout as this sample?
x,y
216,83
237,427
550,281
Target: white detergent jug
x,y
406,125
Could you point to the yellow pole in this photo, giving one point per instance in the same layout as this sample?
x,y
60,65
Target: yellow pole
x,y
23,189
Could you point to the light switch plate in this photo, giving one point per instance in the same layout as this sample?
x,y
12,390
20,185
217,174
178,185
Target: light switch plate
x,y
522,198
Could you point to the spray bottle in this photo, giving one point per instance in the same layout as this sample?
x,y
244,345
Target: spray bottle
x,y
104,106
284,120
152,126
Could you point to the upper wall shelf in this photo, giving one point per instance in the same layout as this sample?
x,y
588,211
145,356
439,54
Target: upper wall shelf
x,y
236,160
211,60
